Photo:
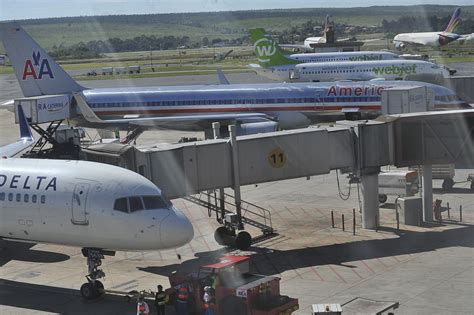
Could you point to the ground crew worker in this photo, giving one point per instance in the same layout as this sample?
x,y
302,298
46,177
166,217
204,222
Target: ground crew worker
x,y
208,299
214,281
261,301
142,307
161,298
182,299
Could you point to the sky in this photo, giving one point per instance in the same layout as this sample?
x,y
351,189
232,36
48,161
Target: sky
x,y
33,9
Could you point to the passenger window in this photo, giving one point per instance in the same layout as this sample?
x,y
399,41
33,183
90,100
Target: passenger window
x,y
2,196
154,202
135,204
43,199
33,198
10,197
18,197
26,198
121,205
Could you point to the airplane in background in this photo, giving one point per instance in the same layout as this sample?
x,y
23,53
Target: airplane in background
x,y
310,40
266,47
99,207
254,108
434,39
342,66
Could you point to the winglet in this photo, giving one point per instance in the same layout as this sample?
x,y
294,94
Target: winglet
x,y
25,131
86,111
222,77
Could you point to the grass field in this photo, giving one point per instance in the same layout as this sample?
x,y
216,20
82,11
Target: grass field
x,y
224,25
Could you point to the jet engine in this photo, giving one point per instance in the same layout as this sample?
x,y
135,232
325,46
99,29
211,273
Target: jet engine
x,y
256,127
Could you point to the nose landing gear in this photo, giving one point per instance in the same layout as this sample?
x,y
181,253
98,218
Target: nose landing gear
x,y
93,288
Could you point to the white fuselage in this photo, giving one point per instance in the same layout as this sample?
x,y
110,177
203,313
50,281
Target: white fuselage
x,y
73,203
433,39
359,71
345,56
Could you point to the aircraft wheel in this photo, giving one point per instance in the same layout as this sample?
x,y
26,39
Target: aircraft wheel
x,y
220,235
99,287
382,198
448,184
88,291
243,240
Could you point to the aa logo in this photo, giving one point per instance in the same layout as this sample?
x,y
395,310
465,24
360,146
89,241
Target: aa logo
x,y
265,48
37,67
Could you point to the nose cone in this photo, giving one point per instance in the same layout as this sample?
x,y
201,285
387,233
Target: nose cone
x,y
176,230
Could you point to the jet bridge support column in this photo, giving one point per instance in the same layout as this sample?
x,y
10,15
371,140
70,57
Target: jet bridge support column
x,y
235,172
427,192
370,200
216,131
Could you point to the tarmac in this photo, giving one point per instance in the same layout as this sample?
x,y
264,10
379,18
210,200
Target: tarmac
x,y
427,270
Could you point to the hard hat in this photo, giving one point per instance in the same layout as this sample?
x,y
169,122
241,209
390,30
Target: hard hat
x,y
160,287
207,288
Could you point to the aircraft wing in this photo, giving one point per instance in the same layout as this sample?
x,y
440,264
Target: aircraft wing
x,y
165,121
26,138
222,78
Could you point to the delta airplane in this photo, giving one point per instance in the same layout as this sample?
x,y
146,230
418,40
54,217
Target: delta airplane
x,y
340,66
434,39
253,107
101,208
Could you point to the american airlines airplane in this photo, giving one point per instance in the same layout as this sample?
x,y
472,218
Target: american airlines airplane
x,y
253,107
98,207
434,39
335,66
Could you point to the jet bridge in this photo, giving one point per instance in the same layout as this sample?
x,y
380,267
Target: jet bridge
x,y
359,147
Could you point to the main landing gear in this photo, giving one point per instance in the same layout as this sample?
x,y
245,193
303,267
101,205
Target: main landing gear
x,y
227,235
93,288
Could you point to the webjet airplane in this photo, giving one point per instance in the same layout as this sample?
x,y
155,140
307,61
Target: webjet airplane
x,y
253,107
434,39
265,46
341,66
98,207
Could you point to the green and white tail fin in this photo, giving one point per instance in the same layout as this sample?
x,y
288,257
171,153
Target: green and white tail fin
x,y
268,53
36,71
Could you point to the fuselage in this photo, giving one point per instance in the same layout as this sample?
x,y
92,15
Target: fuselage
x,y
434,39
86,204
294,105
345,56
396,69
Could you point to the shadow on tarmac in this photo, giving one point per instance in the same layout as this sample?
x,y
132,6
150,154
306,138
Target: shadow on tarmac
x,y
271,262
20,251
57,300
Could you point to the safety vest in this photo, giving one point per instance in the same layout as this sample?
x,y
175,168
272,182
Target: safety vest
x,y
183,294
160,298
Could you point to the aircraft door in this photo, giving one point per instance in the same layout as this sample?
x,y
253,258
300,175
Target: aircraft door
x,y
79,204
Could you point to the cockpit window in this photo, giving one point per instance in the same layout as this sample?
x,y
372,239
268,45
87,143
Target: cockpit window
x,y
121,205
135,204
155,202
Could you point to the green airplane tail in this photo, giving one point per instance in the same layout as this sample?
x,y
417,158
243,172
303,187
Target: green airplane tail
x,y
268,53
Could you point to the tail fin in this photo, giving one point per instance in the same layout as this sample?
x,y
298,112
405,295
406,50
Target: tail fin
x,y
37,73
454,22
268,52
